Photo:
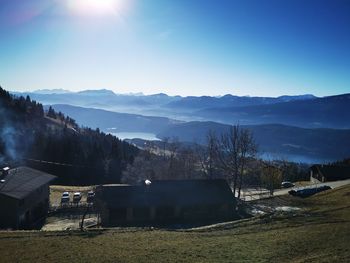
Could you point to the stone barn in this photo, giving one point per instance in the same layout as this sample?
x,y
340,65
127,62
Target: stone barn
x,y
24,197
166,201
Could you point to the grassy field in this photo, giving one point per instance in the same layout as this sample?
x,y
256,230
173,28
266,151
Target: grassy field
x,y
319,232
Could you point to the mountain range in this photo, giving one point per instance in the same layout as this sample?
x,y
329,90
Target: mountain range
x,y
305,111
305,126
327,112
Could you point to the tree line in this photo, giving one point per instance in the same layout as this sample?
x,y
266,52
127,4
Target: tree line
x,y
53,142
231,155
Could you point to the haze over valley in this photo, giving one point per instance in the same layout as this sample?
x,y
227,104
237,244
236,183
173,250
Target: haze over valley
x,y
300,128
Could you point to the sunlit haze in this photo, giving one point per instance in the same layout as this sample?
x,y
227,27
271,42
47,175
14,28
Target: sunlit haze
x,y
96,7
185,47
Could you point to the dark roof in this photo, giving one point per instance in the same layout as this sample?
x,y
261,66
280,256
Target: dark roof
x,y
22,181
167,193
332,172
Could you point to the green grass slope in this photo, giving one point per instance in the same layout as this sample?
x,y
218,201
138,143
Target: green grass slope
x,y
319,232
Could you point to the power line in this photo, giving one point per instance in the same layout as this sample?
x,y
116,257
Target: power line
x,y
56,163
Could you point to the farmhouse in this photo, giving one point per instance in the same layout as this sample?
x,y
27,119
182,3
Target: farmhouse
x,y
165,202
326,173
24,197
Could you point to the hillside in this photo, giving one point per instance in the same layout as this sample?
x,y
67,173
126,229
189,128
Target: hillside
x,y
278,140
297,144
327,112
319,232
76,155
105,120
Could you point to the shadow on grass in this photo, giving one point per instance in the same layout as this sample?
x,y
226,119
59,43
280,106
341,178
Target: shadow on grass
x,y
90,233
28,234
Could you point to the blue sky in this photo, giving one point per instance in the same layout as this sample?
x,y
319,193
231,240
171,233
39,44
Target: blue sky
x,y
185,47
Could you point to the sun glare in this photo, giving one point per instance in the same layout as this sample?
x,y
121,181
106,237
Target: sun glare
x,y
96,7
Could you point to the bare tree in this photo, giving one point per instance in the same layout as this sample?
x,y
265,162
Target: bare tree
x,y
173,148
271,176
232,151
165,141
206,155
187,161
247,149
142,168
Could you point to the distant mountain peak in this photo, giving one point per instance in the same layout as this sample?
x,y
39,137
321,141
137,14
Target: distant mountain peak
x,y
98,92
228,96
159,95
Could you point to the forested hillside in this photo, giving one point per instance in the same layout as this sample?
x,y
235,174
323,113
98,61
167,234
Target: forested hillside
x,y
54,143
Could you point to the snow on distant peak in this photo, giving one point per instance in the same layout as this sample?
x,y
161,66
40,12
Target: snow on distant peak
x,y
51,91
99,92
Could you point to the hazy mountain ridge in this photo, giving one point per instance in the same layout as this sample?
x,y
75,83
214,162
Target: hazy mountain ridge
x,y
332,112
51,91
229,100
160,99
279,140
103,96
305,111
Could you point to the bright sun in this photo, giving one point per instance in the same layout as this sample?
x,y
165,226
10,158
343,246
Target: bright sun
x,y
96,7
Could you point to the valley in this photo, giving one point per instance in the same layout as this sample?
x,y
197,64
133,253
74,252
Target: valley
x,y
280,141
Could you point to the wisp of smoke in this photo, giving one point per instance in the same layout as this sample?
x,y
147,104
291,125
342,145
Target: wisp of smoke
x,y
7,136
